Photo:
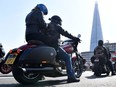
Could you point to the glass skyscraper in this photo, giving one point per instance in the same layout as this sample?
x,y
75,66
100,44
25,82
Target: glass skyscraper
x,y
96,33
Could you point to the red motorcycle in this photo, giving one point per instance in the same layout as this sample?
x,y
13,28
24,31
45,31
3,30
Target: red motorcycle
x,y
31,62
113,59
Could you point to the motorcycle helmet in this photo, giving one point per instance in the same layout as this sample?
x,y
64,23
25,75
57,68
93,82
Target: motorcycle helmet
x,y
100,42
43,8
56,19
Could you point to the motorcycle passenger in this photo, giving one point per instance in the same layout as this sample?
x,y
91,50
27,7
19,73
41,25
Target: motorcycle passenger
x,y
54,31
107,55
35,24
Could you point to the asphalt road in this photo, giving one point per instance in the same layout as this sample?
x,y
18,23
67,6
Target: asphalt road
x,y
86,80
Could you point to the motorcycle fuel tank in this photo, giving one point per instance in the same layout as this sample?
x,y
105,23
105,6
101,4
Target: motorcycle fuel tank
x,y
68,48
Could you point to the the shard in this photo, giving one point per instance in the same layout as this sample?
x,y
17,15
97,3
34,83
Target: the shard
x,y
96,33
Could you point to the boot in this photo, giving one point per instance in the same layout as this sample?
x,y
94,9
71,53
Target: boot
x,y
56,63
113,73
70,80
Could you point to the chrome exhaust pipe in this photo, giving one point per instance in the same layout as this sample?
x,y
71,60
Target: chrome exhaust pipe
x,y
38,69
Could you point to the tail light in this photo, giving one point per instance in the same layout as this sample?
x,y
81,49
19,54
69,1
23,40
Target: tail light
x,y
113,56
113,59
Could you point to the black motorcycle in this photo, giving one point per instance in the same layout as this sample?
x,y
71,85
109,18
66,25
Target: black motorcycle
x,y
99,66
31,61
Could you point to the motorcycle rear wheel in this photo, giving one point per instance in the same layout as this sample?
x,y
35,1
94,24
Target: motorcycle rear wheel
x,y
25,77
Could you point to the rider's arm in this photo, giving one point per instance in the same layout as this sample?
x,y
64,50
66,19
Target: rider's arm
x,y
65,33
107,53
2,52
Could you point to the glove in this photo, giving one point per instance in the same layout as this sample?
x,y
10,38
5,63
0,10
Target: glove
x,y
77,40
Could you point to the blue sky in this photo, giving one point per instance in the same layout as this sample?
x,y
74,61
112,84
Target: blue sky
x,y
77,16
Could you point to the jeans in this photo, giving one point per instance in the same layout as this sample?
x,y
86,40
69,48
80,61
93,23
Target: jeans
x,y
64,56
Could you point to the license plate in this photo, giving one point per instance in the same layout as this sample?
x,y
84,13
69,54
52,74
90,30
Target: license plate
x,y
96,60
11,58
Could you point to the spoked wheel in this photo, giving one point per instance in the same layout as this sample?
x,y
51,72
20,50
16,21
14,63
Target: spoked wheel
x,y
78,67
5,68
115,66
25,77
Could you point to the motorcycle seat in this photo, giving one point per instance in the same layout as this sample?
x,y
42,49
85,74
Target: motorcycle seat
x,y
35,42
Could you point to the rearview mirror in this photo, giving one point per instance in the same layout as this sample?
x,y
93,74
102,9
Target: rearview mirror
x,y
79,35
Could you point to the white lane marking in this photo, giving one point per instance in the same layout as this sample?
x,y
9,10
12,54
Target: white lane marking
x,y
6,77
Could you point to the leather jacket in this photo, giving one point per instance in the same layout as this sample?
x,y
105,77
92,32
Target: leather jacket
x,y
54,32
35,25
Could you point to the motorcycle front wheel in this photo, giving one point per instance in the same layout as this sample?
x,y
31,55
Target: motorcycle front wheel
x,y
5,69
78,67
97,70
114,66
25,77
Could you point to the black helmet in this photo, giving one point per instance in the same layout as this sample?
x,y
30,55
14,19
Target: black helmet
x,y
56,19
0,45
100,42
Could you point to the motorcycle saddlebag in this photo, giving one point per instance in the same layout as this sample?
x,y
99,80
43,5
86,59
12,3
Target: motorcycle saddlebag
x,y
38,54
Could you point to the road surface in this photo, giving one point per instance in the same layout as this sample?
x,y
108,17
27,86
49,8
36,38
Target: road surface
x,y
86,80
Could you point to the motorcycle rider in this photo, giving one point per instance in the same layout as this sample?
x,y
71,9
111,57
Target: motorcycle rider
x,y
35,24
107,55
54,30
2,52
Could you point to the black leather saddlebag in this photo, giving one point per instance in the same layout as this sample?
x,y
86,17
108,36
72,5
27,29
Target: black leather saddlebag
x,y
38,54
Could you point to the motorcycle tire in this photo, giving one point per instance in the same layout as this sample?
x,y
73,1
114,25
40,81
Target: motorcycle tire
x,y
25,78
108,71
114,66
96,69
5,69
78,67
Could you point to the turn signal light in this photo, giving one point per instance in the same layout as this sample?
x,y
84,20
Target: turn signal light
x,y
18,51
10,51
